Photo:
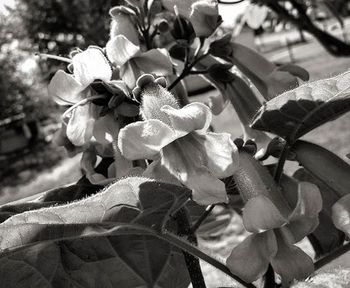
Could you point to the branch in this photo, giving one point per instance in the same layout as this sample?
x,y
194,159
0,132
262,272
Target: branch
x,y
332,44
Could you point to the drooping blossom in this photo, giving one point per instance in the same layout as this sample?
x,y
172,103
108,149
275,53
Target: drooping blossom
x,y
133,62
203,14
243,99
277,220
105,134
177,141
73,89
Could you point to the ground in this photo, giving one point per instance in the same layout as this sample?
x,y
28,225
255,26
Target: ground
x,y
334,135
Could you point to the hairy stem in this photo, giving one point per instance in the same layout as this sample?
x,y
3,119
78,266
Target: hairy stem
x,y
192,263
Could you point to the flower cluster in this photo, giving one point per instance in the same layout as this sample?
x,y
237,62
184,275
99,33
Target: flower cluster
x,y
127,102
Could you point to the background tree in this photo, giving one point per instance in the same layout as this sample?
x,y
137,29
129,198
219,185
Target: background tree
x,y
296,13
299,17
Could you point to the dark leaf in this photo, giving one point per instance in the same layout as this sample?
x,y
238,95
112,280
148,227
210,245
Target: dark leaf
x,y
299,111
221,47
222,72
106,240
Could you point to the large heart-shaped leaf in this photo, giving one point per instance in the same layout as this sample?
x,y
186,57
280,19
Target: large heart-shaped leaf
x,y
297,112
106,240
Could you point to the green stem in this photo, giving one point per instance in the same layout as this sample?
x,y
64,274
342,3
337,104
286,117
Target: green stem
x,y
281,161
331,256
186,71
192,263
198,253
202,218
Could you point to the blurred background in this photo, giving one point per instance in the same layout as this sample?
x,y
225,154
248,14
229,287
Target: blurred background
x,y
311,33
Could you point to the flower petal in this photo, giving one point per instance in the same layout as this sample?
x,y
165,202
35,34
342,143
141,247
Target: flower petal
x,y
80,125
144,139
204,17
123,24
64,89
291,262
309,202
155,61
250,259
157,171
91,65
129,72
194,116
261,214
207,189
341,214
300,228
120,50
222,154
106,129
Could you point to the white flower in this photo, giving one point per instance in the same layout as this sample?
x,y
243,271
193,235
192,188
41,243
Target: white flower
x,y
73,89
178,142
203,14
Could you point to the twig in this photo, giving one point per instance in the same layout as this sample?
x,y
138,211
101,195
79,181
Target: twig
x,y
198,253
202,218
281,161
186,71
230,2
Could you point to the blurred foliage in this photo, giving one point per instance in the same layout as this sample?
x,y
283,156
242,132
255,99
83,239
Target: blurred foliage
x,y
20,90
297,13
56,26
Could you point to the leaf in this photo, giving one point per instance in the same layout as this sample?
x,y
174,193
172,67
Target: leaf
x,y
297,112
106,240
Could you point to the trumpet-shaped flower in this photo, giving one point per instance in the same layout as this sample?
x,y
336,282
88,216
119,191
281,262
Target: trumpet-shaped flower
x,y
177,140
73,89
123,24
269,79
203,14
277,223
133,62
105,133
244,100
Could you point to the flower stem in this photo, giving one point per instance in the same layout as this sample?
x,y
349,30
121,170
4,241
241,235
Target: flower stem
x,y
202,218
186,71
331,256
270,278
281,161
192,263
178,242
54,57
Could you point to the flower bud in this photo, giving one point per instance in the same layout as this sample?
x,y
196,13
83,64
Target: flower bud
x,y
253,179
222,47
183,31
122,24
